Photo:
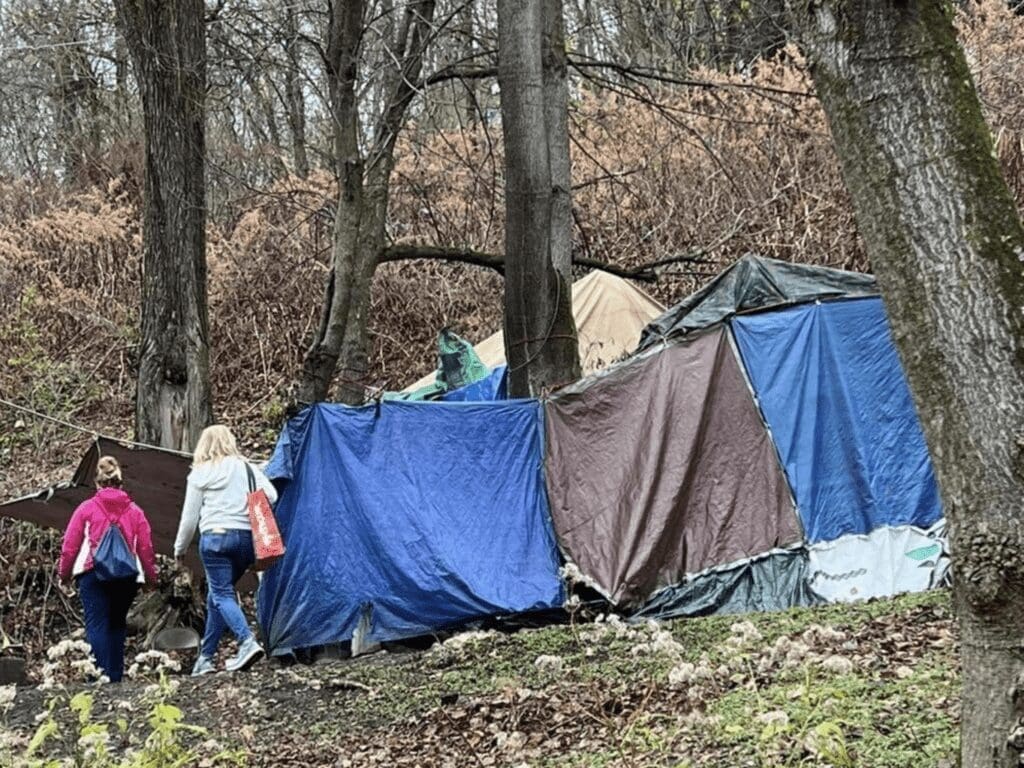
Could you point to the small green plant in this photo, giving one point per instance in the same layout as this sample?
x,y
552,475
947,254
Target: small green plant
x,y
88,743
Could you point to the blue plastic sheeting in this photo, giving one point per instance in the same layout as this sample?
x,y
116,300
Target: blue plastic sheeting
x,y
832,389
419,515
491,387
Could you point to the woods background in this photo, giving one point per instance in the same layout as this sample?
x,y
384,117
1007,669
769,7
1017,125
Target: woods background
x,y
694,133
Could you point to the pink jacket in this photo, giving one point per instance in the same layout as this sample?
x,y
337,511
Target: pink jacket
x,y
91,520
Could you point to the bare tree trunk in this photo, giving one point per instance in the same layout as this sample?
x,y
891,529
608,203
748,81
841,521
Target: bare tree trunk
x,y
359,225
262,90
75,89
944,237
354,368
167,43
556,121
294,93
321,362
540,337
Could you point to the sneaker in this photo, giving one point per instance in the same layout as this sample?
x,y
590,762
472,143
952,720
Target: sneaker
x,y
249,652
203,666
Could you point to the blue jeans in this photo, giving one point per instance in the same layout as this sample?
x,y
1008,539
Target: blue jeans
x,y
106,604
226,557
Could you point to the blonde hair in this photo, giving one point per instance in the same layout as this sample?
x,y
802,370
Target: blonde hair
x,y
215,443
108,472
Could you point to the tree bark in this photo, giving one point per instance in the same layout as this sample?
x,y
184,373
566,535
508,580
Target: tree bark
x,y
343,37
556,122
946,242
294,93
361,215
167,44
540,336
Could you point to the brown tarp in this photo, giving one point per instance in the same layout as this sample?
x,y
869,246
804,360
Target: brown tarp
x,y
154,479
662,467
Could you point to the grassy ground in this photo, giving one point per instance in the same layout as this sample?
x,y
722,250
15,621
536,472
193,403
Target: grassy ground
x,y
873,684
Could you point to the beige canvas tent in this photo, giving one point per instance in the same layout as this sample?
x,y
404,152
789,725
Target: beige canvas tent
x,y
610,314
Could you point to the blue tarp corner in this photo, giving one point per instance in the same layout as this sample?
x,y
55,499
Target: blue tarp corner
x,y
420,516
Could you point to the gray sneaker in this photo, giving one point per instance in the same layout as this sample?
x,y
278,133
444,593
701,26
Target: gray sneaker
x,y
203,666
249,652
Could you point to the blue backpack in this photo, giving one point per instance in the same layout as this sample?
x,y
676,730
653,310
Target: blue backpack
x,y
113,559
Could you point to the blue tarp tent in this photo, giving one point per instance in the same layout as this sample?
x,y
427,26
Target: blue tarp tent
x,y
832,390
491,387
419,515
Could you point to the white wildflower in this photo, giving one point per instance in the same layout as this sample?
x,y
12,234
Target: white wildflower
x,y
663,643
552,664
904,672
459,641
775,717
572,603
796,654
151,664
640,649
68,648
70,661
816,633
838,664
682,674
743,633
7,695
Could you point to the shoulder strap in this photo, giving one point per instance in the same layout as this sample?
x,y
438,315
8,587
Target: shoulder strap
x,y
106,513
251,476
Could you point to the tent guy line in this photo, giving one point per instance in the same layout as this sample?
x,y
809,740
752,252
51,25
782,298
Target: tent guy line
x,y
85,430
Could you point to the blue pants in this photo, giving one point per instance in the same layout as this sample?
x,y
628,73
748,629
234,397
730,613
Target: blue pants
x,y
226,557
106,604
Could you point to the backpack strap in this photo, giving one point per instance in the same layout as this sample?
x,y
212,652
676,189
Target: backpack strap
x,y
113,521
249,474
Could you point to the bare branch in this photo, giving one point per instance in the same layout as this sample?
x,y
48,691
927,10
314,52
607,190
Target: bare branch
x,y
647,273
581,63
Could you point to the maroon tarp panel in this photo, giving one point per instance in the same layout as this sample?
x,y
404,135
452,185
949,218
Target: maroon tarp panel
x,y
154,479
663,467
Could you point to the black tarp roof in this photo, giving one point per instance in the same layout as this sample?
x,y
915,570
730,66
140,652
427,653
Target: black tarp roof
x,y
754,282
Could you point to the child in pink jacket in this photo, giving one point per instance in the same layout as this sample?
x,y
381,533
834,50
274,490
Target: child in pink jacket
x,y
106,603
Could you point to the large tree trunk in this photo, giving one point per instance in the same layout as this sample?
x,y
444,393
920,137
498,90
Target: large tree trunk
x,y
167,43
540,336
359,225
354,369
946,242
343,37
556,120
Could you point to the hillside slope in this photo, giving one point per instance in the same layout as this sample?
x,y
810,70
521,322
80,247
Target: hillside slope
x,y
873,684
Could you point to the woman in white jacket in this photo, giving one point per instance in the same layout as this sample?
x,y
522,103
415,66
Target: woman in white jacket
x,y
215,501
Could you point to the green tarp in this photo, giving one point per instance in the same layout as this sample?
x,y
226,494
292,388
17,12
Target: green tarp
x,y
457,366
